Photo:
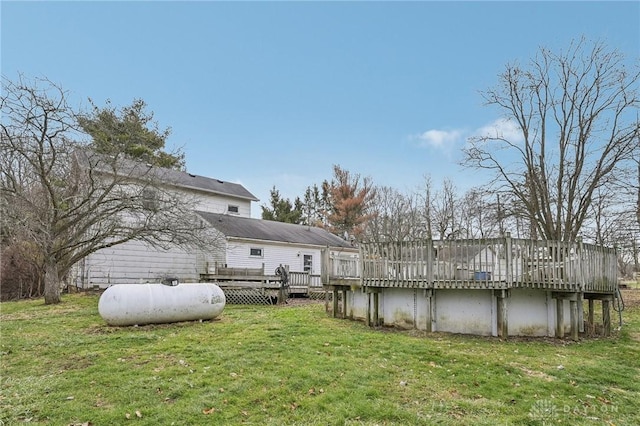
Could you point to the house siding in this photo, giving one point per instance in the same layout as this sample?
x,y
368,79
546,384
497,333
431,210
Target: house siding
x,y
273,255
206,261
213,203
136,262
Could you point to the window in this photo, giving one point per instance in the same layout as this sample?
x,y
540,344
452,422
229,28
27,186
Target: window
x,y
149,199
233,209
256,252
307,263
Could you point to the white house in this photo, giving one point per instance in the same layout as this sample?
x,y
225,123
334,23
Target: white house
x,y
136,262
244,242
256,243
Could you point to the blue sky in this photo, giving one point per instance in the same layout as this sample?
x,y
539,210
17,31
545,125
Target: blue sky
x,y
275,93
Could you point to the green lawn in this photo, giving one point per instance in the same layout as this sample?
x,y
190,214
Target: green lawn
x,y
271,365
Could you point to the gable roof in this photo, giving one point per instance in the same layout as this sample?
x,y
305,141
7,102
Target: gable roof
x,y
268,230
216,186
462,254
127,167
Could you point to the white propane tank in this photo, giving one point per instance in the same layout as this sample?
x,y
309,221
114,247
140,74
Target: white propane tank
x,y
138,304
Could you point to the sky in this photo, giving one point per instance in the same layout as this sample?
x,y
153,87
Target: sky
x,y
275,93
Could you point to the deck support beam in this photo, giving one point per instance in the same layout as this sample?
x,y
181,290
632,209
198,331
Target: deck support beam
x,y
502,317
573,298
573,311
337,290
560,318
606,318
431,307
344,302
590,322
373,301
606,312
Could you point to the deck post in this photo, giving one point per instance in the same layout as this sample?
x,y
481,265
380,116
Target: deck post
x,y
376,316
325,266
581,312
508,259
559,317
372,306
502,317
368,310
334,308
326,300
573,309
429,296
606,318
344,302
590,321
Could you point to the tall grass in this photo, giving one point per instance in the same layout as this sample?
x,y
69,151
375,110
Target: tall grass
x,y
294,365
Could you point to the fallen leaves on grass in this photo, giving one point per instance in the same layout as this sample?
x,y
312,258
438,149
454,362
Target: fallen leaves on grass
x,y
137,413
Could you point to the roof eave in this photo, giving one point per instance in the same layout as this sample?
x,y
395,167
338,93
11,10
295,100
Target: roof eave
x,y
211,191
288,243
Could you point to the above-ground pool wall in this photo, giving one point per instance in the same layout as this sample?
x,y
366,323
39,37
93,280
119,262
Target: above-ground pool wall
x,y
465,311
404,307
357,304
529,312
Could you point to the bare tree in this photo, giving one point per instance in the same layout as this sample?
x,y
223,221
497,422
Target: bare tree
x,y
444,208
479,216
66,201
426,199
394,217
622,218
575,115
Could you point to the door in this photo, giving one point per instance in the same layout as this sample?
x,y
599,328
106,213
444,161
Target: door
x,y
307,263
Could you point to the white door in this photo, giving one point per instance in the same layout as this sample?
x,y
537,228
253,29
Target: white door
x,y
307,262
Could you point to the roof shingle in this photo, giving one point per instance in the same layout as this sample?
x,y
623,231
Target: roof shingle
x,y
267,230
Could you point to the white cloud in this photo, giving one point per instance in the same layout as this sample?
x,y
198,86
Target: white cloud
x,y
501,128
448,140
440,139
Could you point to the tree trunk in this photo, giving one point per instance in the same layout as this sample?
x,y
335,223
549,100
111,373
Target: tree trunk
x,y
51,283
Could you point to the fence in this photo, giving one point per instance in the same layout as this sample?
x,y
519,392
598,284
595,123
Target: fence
x,y
489,263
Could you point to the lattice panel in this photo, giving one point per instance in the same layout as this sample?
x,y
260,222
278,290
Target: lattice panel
x,y
248,297
318,295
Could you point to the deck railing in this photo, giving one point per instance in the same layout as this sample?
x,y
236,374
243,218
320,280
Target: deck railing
x,y
304,279
340,266
489,263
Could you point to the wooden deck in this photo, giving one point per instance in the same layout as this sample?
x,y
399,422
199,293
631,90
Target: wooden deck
x,y
498,263
569,272
249,284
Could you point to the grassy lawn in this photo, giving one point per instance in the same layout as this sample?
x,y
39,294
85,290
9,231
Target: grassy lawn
x,y
271,365
631,284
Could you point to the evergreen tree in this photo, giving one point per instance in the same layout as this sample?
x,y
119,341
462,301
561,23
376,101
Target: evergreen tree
x,y
130,131
282,210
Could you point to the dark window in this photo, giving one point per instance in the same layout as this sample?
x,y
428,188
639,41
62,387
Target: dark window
x,y
255,252
307,263
149,199
233,209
